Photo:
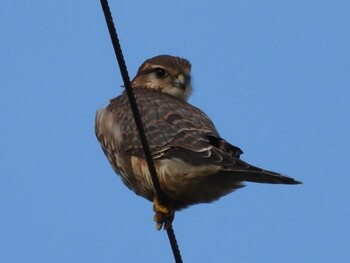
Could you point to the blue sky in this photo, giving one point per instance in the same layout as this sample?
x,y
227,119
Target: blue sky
x,y
272,75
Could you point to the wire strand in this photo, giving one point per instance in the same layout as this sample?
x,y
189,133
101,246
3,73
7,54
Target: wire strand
x,y
136,113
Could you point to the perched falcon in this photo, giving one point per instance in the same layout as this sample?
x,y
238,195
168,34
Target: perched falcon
x,y
194,164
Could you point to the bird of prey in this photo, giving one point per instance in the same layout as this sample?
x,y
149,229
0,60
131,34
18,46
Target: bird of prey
x,y
193,162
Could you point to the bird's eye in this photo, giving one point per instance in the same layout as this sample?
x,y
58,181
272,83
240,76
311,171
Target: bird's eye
x,y
160,72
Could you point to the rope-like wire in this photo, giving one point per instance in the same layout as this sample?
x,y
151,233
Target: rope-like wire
x,y
136,113
173,244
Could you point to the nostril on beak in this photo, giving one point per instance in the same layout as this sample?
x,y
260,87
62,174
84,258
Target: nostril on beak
x,y
180,81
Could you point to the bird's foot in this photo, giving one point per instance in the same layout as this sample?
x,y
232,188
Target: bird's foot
x,y
164,214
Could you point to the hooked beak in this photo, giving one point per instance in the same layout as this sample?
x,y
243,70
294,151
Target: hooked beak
x,y
180,82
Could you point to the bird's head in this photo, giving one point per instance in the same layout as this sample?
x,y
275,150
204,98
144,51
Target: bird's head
x,y
166,73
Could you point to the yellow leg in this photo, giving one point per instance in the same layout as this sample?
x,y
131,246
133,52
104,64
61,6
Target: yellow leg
x,y
164,214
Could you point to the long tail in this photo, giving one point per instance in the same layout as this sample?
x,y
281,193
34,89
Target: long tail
x,y
247,172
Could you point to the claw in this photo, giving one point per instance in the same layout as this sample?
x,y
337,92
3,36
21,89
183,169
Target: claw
x,y
164,215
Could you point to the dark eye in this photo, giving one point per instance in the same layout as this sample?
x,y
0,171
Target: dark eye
x,y
160,72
